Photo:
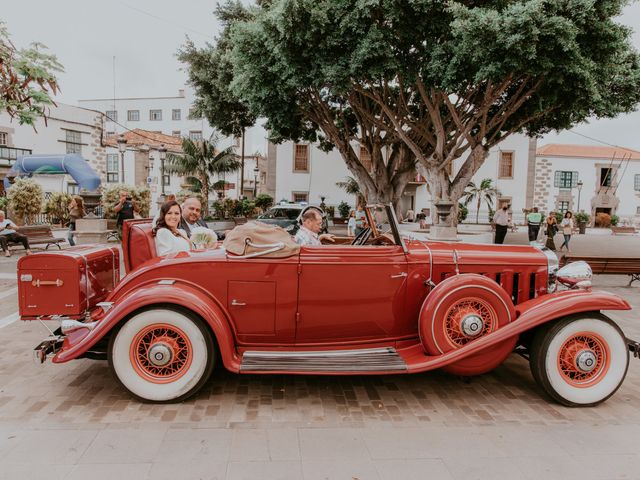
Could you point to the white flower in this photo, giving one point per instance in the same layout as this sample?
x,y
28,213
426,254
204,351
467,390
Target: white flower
x,y
203,237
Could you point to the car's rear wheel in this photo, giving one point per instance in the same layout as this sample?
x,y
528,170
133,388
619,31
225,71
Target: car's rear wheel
x,y
580,360
462,309
162,355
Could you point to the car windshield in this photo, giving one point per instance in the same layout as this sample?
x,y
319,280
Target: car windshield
x,y
281,213
379,214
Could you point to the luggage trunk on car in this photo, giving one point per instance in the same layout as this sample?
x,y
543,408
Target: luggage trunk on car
x,y
68,282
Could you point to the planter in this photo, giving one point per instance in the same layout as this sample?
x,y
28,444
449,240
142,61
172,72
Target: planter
x,y
340,220
582,227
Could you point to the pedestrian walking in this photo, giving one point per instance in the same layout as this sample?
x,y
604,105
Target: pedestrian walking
x,y
551,230
501,223
76,212
567,229
534,219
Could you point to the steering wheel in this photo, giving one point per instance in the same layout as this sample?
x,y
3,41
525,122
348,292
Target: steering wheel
x,y
384,239
362,237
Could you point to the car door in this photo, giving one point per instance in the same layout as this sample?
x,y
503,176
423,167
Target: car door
x,y
351,293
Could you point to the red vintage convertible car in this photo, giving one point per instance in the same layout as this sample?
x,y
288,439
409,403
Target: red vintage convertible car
x,y
376,304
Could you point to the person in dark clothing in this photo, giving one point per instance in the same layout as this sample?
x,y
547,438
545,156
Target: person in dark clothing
x,y
124,209
9,234
191,215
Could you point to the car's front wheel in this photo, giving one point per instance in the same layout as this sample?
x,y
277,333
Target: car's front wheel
x,y
162,355
580,360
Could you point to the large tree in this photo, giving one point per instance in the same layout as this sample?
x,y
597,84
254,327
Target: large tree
x,y
27,79
433,81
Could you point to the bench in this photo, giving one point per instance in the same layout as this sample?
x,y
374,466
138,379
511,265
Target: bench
x,y
608,265
239,220
616,230
38,235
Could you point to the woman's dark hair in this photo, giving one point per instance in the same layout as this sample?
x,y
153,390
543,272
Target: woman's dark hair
x,y
568,214
164,209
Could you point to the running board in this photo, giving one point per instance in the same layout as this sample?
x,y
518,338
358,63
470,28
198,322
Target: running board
x,y
364,360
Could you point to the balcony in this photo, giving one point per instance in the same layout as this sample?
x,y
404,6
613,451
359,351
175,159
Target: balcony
x,y
418,180
8,155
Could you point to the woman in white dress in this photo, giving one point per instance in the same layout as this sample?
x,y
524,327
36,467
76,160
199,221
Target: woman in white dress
x,y
170,238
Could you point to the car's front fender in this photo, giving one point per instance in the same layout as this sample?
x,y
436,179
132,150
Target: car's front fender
x,y
180,294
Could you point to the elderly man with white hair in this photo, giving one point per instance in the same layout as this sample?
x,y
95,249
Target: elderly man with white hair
x,y
8,234
309,233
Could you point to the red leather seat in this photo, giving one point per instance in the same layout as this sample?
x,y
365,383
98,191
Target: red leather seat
x,y
138,243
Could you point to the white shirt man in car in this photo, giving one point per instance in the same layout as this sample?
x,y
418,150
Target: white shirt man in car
x,y
309,233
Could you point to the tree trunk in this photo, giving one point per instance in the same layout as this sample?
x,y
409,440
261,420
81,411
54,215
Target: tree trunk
x,y
478,210
204,180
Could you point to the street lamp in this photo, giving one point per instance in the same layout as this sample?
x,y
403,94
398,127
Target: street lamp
x,y
122,147
163,155
580,184
256,170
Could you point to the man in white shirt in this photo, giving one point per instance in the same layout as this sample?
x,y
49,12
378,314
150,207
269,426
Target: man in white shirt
x,y
8,234
310,229
501,221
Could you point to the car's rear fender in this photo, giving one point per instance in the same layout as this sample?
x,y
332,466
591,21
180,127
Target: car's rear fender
x,y
179,294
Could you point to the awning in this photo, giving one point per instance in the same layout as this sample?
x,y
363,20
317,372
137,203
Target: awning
x,y
70,164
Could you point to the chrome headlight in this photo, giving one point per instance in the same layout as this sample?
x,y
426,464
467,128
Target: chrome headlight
x,y
552,269
575,275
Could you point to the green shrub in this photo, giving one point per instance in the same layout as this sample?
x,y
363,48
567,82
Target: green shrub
x,y
614,220
331,211
25,200
583,217
141,197
344,209
264,201
244,208
3,204
57,207
463,211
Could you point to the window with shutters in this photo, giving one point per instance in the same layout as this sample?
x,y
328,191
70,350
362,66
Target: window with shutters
x,y
605,177
301,158
73,141
155,115
300,197
113,169
563,207
565,179
176,114
133,115
4,138
112,115
506,165
365,158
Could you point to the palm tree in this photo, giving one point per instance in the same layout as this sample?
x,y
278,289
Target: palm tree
x,y
351,186
485,191
201,159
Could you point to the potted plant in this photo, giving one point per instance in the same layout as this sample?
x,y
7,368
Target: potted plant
x,y
343,210
582,218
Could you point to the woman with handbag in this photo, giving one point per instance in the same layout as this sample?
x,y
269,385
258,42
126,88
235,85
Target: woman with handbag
x,y
552,228
567,229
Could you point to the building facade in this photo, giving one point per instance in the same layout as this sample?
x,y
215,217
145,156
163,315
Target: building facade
x,y
591,178
68,129
302,172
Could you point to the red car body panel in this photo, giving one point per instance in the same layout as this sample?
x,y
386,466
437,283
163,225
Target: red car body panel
x,y
332,297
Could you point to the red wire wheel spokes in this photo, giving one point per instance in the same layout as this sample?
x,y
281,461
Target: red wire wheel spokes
x,y
461,309
458,316
583,359
161,353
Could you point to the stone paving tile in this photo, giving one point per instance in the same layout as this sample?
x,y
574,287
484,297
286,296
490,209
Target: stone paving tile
x,y
264,470
111,471
340,469
29,471
412,469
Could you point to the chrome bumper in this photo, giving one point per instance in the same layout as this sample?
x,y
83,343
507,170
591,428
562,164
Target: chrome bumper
x,y
47,348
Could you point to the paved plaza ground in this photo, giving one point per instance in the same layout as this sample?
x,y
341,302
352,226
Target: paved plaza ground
x,y
73,421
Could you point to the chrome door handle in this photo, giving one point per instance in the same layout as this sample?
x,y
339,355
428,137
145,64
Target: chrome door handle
x,y
400,275
235,303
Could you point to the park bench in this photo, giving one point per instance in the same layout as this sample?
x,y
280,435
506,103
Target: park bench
x,y
608,265
616,230
39,235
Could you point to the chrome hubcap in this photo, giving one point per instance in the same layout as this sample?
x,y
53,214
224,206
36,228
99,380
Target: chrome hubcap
x,y
472,325
160,354
586,361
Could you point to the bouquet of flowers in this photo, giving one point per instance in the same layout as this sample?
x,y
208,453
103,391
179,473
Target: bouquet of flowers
x,y
203,237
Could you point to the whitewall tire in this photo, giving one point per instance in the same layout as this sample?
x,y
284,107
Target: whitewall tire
x,y
162,355
580,360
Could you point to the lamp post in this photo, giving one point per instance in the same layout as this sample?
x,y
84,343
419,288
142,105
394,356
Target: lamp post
x,y
256,170
163,155
579,191
122,147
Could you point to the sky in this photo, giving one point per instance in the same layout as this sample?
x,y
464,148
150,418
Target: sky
x,y
144,36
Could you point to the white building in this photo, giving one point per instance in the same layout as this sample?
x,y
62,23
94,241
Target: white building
x,y
172,116
591,178
68,129
303,172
